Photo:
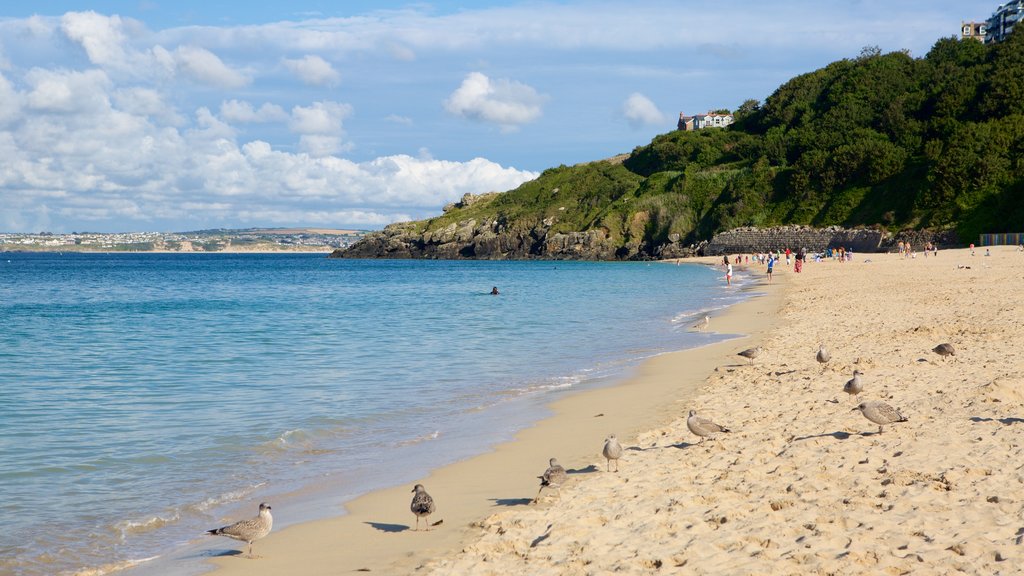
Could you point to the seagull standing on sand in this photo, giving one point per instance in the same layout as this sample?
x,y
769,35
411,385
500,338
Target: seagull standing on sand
x,y
702,426
854,386
880,413
750,353
823,356
703,324
612,451
553,477
422,505
248,530
944,350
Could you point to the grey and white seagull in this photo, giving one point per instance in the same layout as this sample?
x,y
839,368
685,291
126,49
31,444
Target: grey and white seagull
x,y
823,356
880,413
854,386
612,451
750,353
248,530
702,426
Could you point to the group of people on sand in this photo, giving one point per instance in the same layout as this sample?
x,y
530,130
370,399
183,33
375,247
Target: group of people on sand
x,y
906,249
770,258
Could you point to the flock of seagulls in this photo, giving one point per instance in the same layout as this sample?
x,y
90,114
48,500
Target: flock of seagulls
x,y
422,505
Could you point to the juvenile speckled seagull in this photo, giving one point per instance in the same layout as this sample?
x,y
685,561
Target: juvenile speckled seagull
x,y
702,426
854,386
612,451
553,477
750,353
880,413
248,530
944,350
422,505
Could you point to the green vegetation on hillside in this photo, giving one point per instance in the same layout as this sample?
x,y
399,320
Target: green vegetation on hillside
x,y
877,140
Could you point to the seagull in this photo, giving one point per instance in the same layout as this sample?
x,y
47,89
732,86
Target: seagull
x,y
702,426
422,505
750,353
248,530
854,386
612,451
553,477
880,413
823,356
944,350
703,324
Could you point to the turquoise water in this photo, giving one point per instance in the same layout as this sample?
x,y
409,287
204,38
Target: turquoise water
x,y
144,397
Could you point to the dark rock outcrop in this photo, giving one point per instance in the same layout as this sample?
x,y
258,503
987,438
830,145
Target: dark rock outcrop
x,y
749,240
491,240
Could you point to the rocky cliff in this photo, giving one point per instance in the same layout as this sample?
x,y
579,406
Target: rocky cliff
x,y
494,240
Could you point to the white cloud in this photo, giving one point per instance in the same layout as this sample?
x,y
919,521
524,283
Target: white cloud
x,y
504,102
242,111
100,36
67,91
320,118
314,70
204,66
10,101
320,145
639,110
398,119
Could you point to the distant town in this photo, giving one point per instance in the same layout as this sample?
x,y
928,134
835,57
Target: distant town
x,y
217,240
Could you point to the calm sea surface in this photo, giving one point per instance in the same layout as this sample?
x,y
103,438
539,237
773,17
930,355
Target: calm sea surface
x,y
145,398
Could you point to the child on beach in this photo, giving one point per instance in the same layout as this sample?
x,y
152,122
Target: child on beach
x,y
728,275
771,264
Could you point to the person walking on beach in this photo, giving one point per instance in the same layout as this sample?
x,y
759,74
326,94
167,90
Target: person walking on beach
x,y
771,264
728,275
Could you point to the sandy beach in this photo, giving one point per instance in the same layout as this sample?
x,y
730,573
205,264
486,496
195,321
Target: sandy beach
x,y
803,483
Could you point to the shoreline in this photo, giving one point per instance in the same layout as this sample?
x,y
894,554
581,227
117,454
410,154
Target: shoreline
x,y
376,527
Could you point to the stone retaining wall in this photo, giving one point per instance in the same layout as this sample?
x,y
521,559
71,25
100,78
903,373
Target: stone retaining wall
x,y
753,240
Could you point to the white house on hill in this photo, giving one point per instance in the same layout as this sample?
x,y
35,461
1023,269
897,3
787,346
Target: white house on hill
x,y
702,121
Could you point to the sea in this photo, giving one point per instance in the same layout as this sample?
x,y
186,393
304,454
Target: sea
x,y
146,398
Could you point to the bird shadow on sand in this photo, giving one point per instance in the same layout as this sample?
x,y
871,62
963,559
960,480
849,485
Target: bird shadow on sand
x,y
389,528
838,435
1006,421
588,470
221,553
542,537
682,445
511,501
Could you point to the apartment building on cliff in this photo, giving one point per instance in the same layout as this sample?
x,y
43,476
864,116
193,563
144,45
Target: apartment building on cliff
x,y
1003,20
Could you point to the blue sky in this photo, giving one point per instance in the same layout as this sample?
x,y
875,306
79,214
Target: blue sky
x,y
169,116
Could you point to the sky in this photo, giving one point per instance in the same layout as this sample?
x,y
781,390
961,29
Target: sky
x,y
178,115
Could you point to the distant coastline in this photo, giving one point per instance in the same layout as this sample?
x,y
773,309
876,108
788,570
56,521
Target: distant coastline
x,y
249,240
